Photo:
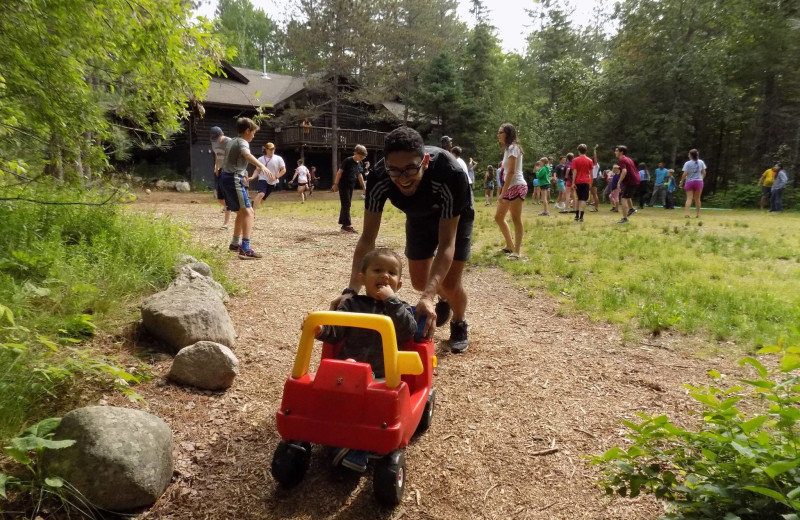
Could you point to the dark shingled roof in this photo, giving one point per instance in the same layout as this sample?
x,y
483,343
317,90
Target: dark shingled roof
x,y
232,92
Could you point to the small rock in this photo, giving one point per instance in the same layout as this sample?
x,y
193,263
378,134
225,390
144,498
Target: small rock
x,y
205,365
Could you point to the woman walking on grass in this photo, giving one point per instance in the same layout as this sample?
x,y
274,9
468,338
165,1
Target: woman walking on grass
x,y
512,194
694,172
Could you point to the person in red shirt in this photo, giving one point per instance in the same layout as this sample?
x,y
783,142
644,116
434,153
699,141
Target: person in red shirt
x,y
582,180
628,182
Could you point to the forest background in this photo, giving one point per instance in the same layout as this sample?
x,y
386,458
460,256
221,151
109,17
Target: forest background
x,y
659,76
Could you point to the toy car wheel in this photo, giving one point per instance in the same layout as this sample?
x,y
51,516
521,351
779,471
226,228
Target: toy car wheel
x,y
427,414
389,479
290,462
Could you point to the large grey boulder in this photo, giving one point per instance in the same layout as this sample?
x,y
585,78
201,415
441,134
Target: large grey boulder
x,y
205,365
199,274
185,314
121,460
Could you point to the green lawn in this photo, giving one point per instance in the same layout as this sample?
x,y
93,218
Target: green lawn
x,y
731,275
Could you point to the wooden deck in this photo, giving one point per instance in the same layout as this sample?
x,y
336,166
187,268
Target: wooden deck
x,y
323,136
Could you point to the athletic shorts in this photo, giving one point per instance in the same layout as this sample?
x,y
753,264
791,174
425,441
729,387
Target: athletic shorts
x,y
583,191
535,183
766,191
561,185
265,187
235,192
489,186
629,191
218,188
694,186
596,182
544,187
516,192
422,237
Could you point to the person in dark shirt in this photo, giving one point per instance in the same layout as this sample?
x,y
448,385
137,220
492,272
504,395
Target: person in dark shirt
x,y
344,181
429,186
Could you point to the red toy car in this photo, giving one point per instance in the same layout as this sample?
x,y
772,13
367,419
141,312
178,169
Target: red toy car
x,y
343,406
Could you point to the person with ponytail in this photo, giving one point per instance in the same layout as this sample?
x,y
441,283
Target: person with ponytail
x,y
694,172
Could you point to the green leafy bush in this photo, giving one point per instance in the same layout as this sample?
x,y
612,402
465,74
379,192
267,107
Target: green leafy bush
x,y
740,463
66,270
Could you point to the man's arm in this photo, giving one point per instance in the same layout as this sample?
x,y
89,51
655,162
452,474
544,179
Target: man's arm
x,y
361,181
439,268
281,172
336,178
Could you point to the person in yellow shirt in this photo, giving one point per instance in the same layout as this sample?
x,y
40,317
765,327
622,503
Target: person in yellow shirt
x,y
766,181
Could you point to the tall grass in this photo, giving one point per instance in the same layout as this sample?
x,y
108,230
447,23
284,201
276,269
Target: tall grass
x,y
64,270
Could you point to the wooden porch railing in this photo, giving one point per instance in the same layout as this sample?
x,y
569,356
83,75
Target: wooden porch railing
x,y
323,136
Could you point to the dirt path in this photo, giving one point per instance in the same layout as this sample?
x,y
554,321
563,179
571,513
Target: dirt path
x,y
531,379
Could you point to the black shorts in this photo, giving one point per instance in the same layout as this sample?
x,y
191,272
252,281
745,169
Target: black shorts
x,y
582,191
629,191
218,188
766,191
265,187
422,237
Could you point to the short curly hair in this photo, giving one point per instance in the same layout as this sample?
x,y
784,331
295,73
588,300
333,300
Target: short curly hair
x,y
404,139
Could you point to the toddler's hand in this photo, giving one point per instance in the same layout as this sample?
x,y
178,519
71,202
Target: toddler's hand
x,y
384,292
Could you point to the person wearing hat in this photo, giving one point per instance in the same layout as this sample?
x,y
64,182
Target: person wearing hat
x,y
447,143
267,184
218,144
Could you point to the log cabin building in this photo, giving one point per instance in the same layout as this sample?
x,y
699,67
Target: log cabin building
x,y
286,101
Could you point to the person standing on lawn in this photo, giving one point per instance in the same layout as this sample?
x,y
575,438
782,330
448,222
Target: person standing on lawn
x,y
776,197
659,188
513,192
766,181
582,180
429,186
543,176
344,181
628,182
489,185
694,172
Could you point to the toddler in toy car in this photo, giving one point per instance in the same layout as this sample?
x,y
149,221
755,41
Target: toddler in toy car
x,y
381,270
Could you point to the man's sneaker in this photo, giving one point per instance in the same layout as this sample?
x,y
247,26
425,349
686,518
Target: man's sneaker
x,y
250,254
614,210
580,219
348,229
458,336
443,312
576,218
233,247
351,459
623,220
631,211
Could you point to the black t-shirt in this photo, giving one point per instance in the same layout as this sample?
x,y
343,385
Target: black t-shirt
x,y
350,170
560,171
443,191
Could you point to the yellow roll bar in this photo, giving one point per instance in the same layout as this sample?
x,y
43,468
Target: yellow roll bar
x,y
396,362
